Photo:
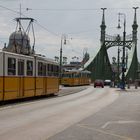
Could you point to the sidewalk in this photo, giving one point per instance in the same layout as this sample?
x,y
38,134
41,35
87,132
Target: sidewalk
x,y
131,89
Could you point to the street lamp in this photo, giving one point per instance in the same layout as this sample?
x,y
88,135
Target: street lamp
x,y
118,77
63,41
123,53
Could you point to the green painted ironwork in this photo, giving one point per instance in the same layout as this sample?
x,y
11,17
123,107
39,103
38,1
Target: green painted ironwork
x,y
100,66
132,71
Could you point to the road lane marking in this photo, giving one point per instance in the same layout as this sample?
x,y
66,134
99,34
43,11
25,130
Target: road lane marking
x,y
104,132
118,122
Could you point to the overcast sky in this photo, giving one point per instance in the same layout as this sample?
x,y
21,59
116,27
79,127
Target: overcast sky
x,y
79,20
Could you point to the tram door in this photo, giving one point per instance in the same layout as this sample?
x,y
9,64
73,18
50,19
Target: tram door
x,y
20,78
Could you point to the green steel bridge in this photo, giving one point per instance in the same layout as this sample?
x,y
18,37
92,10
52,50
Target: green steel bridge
x,y
100,66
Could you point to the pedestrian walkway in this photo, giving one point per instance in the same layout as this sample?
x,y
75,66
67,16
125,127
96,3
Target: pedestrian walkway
x,y
131,89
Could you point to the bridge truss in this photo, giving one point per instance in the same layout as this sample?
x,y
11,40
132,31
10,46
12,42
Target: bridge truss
x,y
100,66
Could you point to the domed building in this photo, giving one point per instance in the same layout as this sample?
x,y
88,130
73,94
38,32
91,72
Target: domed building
x,y
19,42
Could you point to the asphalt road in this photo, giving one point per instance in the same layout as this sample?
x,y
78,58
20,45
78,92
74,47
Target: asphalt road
x,y
91,114
117,121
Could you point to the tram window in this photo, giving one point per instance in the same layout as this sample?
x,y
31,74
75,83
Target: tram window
x,y
48,69
66,75
52,70
80,75
29,68
20,67
69,75
72,75
56,70
11,66
76,75
40,68
44,70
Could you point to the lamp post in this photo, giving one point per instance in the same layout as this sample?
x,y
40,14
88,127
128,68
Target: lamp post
x,y
123,53
118,77
63,40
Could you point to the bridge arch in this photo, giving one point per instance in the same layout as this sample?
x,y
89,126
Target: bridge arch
x,y
100,66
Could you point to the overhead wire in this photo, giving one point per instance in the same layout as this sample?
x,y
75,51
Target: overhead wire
x,y
9,9
49,9
26,16
43,27
53,9
74,9
46,29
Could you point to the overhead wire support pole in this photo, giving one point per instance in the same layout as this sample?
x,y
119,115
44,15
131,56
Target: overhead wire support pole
x,y
123,60
60,65
118,74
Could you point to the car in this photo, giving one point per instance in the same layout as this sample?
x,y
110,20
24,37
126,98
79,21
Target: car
x,y
99,83
107,82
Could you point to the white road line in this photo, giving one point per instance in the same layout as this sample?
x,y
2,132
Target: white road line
x,y
118,122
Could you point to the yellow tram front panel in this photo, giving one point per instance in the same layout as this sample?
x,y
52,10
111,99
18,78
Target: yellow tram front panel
x,y
29,86
1,88
11,87
52,85
39,86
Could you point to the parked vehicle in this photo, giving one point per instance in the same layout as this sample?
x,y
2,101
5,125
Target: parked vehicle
x,y
99,83
107,82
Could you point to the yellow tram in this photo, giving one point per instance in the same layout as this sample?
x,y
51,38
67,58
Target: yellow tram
x,y
22,72
24,76
76,78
